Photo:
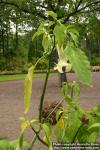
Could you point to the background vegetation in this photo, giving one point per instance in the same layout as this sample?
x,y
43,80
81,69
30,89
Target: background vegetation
x,y
19,19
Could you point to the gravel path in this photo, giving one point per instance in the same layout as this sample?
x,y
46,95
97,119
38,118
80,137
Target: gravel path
x,y
11,102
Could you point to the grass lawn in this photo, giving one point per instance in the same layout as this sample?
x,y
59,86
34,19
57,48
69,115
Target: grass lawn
x,y
21,76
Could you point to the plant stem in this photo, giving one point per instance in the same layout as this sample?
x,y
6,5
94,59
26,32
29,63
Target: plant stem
x,y
37,135
43,93
72,92
73,140
33,141
45,85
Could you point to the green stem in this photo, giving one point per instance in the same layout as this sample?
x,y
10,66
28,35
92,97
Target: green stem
x,y
72,92
33,141
73,140
43,93
39,60
37,135
45,86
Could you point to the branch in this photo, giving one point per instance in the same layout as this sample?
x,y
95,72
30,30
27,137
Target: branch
x,y
38,13
75,10
77,5
79,10
50,6
93,3
37,134
88,11
43,93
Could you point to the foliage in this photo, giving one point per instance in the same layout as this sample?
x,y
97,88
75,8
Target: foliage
x,y
11,145
78,61
2,63
95,61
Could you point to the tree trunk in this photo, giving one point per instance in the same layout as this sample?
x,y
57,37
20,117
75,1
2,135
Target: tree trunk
x,y
3,47
63,77
16,34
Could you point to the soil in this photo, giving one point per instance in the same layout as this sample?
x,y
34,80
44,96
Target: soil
x,y
11,102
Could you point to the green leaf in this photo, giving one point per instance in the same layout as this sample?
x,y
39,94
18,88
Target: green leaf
x,y
38,33
41,30
96,111
79,63
12,145
83,135
47,129
76,90
74,37
4,144
73,33
95,125
92,137
58,114
59,130
72,29
48,133
50,23
21,138
28,89
66,129
59,32
52,14
65,89
46,42
72,127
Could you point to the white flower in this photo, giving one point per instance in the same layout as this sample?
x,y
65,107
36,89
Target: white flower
x,y
61,64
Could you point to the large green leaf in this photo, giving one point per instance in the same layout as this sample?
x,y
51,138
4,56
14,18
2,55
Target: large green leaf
x,y
41,30
66,129
84,136
28,89
80,63
73,33
72,127
59,32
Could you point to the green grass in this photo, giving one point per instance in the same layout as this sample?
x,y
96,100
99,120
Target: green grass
x,y
21,76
